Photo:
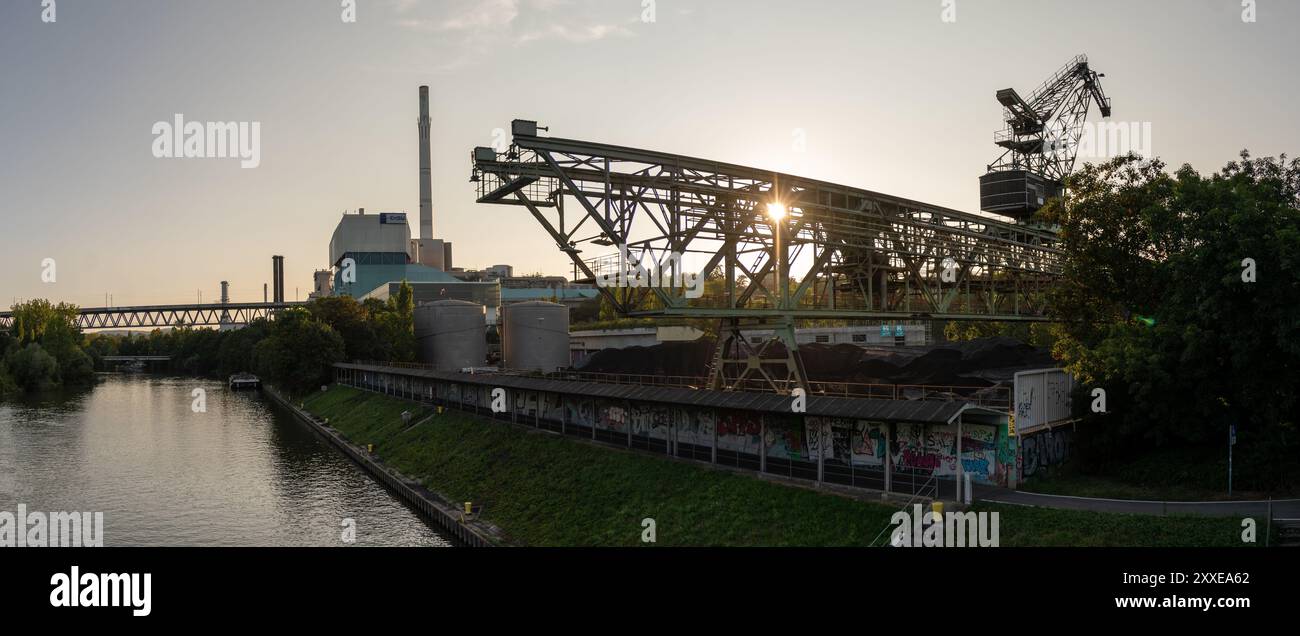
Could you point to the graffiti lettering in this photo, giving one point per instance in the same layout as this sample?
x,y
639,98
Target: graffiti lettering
x,y
1047,449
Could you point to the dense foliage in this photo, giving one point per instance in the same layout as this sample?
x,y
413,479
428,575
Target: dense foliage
x,y
43,349
1179,299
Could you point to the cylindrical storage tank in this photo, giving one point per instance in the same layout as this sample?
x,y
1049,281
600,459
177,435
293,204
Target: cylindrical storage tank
x,y
536,337
451,334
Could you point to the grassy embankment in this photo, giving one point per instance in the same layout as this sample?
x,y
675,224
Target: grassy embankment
x,y
544,490
1178,474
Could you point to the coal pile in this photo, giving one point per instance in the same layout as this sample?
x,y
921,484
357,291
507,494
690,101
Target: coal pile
x,y
670,358
983,362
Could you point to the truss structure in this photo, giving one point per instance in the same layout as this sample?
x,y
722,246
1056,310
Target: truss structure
x,y
214,315
845,252
836,252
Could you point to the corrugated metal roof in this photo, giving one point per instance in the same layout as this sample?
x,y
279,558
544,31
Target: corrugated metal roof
x,y
911,411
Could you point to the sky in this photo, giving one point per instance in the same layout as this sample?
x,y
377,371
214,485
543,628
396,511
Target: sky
x,y
895,96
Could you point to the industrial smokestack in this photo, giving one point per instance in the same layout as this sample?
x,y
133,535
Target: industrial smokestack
x,y
426,171
277,279
225,292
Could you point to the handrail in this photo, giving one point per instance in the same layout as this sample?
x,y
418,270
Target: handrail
x,y
908,503
998,397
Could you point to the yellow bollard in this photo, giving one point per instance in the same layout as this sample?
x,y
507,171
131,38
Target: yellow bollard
x,y
370,448
937,508
440,410
469,507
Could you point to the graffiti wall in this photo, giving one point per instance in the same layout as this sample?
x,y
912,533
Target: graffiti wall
x,y
988,453
788,438
869,443
649,421
611,416
553,407
695,427
1008,464
526,403
579,412
740,431
979,452
1041,451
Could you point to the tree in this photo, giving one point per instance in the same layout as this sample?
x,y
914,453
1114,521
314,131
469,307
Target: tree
x,y
352,321
299,352
33,369
55,328
1178,298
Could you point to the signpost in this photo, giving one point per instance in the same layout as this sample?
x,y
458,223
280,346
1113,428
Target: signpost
x,y
1232,441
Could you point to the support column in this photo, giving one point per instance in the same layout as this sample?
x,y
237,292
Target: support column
x,y
762,443
821,450
961,469
889,458
713,449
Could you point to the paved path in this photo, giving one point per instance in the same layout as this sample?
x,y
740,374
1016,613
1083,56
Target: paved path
x,y
1282,508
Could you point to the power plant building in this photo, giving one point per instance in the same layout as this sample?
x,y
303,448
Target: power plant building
x,y
372,254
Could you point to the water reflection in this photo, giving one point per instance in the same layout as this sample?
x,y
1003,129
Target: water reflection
x,y
243,473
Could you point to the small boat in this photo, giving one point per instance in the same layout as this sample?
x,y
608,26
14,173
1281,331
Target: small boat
x,y
134,366
242,381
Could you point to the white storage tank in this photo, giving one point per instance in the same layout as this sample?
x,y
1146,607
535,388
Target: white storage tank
x,y
451,334
536,337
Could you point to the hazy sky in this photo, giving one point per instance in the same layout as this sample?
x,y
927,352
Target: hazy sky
x,y
888,96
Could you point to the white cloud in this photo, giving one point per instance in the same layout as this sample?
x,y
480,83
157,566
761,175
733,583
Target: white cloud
x,y
518,21
576,35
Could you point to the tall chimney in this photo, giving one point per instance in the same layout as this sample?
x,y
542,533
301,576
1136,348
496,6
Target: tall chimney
x,y
277,279
426,172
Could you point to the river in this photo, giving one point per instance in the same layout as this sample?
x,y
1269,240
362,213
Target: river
x,y
241,473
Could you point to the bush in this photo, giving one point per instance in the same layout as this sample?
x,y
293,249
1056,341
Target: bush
x,y
33,369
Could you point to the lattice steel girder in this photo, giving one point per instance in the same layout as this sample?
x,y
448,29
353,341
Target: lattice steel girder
x,y
171,315
850,253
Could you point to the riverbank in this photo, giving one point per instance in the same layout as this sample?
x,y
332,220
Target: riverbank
x,y
544,490
445,515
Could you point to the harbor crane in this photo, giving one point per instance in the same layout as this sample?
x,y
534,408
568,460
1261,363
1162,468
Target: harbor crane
x,y
1040,141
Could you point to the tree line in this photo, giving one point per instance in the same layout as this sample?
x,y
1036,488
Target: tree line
x,y
45,349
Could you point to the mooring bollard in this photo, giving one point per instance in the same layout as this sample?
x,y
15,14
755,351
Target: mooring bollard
x,y
370,448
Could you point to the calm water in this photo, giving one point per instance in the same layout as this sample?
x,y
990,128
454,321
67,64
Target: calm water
x,y
242,474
